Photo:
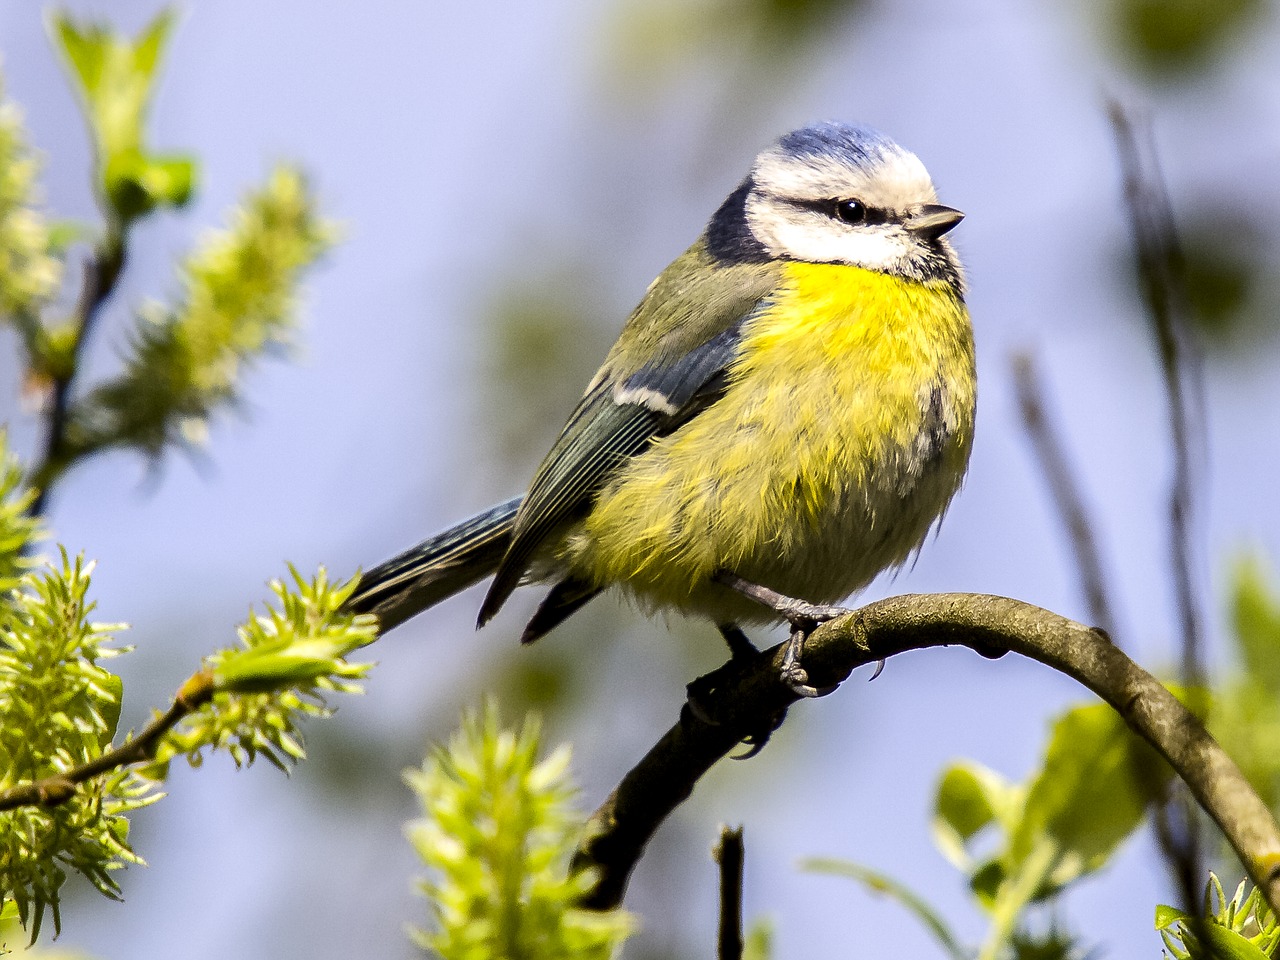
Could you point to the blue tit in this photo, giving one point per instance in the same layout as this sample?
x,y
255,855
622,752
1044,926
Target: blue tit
x,y
787,413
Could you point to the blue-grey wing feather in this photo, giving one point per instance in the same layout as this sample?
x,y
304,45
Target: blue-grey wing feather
x,y
612,423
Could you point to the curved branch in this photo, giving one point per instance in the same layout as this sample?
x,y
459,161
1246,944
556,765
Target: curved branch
x,y
748,698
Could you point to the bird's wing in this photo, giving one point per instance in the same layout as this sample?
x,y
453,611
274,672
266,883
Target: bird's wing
x,y
630,403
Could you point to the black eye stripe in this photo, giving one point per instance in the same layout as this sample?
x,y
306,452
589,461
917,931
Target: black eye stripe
x,y
836,208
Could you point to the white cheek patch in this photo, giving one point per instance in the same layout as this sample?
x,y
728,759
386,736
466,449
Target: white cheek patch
x,y
876,250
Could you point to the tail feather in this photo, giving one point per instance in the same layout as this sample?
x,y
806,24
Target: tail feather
x,y
437,568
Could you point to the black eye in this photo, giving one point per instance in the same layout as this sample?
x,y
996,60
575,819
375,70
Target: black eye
x,y
849,211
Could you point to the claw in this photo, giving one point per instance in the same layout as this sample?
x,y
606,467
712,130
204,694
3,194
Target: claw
x,y
698,692
803,616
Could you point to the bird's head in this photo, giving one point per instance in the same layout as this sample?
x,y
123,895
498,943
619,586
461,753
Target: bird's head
x,y
840,193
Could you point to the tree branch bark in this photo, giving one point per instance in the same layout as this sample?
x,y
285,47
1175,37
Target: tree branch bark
x,y
747,699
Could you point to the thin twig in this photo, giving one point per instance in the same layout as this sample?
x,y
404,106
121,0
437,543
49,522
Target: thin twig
x,y
1065,490
101,272
1162,275
58,788
749,697
729,855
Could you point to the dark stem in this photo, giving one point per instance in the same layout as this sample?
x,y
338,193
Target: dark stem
x,y
729,855
60,787
1162,276
101,272
1065,490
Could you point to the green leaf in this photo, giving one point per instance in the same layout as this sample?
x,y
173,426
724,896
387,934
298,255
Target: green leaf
x,y
1255,619
1090,794
58,707
1169,37
115,78
1166,916
18,530
970,797
881,883
291,656
758,943
109,705
1228,945
1222,943
985,882
137,184
1240,927
289,663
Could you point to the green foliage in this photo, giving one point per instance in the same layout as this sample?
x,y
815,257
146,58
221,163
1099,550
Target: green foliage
x,y
655,36
66,789
238,287
1241,928
1169,37
1246,712
1052,944
239,298
29,275
1225,262
1227,257
758,943
58,710
498,832
18,529
1092,790
115,78
289,660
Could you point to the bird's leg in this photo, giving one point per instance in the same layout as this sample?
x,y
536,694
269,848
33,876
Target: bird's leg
x,y
804,618
740,646
790,608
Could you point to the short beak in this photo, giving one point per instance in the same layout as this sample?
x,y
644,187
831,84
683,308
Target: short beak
x,y
932,220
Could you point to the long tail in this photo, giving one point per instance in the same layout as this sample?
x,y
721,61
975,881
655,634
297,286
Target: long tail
x,y
436,568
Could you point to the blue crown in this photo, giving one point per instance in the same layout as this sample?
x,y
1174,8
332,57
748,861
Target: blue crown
x,y
852,143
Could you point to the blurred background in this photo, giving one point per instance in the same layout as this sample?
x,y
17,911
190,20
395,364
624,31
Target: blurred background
x,y
509,178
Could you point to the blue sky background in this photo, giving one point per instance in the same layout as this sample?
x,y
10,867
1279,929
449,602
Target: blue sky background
x,y
486,159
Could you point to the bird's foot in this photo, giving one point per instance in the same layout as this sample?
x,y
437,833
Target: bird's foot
x,y
804,618
793,674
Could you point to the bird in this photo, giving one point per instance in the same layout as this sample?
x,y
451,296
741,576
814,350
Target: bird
x,y
787,412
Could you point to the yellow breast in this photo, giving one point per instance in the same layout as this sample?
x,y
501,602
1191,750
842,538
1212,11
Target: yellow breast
x,y
843,433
